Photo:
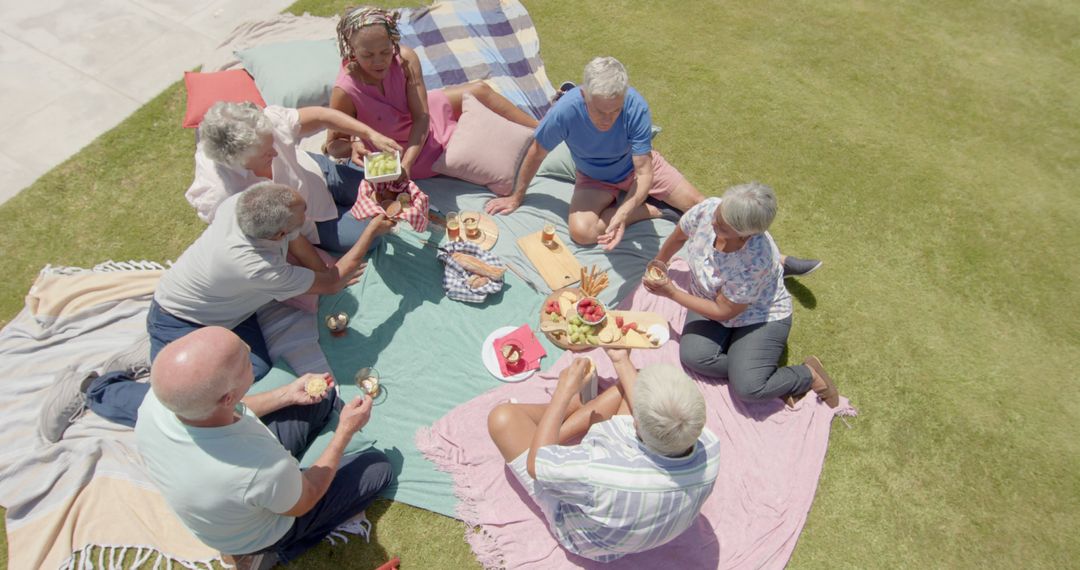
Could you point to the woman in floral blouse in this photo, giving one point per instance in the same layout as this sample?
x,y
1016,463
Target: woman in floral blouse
x,y
738,310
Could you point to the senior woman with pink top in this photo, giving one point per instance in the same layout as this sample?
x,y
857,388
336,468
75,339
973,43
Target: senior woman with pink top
x,y
382,85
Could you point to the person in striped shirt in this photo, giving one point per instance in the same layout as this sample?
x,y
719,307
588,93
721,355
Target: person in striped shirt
x,y
640,475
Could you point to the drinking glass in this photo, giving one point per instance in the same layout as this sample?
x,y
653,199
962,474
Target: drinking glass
x,y
453,226
472,225
362,375
548,235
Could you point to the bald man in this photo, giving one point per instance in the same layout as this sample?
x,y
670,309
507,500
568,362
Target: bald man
x,y
227,463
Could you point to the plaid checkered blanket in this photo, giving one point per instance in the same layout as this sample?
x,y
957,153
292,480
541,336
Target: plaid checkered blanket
x,y
456,278
457,41
492,40
371,195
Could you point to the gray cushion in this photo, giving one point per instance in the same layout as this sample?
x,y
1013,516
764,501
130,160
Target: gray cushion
x,y
294,74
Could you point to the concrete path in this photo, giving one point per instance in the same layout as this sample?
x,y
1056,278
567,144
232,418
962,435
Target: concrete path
x,y
72,69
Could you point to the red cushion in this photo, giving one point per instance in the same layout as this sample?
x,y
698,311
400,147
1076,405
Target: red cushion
x,y
205,89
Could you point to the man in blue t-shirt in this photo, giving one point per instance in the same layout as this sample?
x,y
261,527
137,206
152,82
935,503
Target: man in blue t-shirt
x,y
608,128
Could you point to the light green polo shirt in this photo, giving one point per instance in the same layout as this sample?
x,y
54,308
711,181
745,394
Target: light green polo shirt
x,y
227,484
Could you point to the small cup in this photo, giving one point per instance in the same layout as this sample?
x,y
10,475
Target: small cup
x,y
338,324
472,225
547,237
453,226
655,273
366,378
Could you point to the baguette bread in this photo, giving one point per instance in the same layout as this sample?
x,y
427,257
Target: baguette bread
x,y
474,265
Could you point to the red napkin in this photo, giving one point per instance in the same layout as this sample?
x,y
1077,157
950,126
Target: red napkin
x,y
531,349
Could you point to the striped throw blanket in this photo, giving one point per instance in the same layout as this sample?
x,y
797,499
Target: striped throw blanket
x,y
90,487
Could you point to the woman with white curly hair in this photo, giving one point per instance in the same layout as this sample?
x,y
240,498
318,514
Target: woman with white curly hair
x,y
738,309
241,144
640,475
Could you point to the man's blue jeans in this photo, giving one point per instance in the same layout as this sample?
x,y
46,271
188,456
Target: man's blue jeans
x,y
115,397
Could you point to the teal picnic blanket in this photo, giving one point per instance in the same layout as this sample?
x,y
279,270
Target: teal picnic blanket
x,y
426,347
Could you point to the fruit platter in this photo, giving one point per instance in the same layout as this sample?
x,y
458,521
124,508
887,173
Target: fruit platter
x,y
574,318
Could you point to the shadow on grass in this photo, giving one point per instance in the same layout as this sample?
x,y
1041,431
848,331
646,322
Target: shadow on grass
x,y
804,296
362,554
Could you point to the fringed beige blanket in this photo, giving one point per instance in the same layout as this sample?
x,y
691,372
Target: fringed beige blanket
x,y
89,489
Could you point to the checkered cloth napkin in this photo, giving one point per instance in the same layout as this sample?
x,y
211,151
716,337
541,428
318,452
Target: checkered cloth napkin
x,y
455,278
367,206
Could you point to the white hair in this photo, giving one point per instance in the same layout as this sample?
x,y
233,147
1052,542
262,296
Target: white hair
x,y
232,132
668,408
605,77
265,209
748,208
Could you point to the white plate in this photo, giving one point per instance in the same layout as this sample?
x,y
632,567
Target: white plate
x,y
491,361
661,332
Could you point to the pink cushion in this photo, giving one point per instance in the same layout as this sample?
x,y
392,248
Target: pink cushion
x,y
485,148
205,89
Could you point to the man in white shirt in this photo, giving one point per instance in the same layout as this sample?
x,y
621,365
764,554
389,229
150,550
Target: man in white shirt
x,y
227,463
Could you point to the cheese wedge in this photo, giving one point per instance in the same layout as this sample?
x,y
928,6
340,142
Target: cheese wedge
x,y
635,338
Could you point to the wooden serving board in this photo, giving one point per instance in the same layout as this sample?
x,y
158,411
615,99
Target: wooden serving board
x,y
489,231
556,265
632,339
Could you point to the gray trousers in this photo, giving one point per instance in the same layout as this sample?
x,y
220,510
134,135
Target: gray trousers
x,y
747,356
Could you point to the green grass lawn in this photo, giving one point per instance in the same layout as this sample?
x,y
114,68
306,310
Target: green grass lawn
x,y
928,151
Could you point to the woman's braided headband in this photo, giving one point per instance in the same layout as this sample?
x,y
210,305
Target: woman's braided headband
x,y
353,19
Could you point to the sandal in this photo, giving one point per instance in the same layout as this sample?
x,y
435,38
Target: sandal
x,y
829,394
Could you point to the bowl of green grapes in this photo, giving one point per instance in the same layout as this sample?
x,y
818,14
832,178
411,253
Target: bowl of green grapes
x,y
382,166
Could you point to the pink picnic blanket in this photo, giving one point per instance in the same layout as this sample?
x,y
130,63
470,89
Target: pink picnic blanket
x,y
770,461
